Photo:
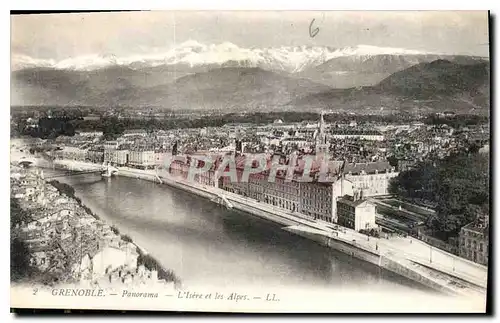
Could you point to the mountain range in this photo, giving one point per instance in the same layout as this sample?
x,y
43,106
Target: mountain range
x,y
225,76
191,53
440,85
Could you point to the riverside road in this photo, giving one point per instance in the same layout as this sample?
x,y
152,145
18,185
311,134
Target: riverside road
x,y
206,244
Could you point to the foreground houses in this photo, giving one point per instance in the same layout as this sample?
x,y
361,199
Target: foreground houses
x,y
66,243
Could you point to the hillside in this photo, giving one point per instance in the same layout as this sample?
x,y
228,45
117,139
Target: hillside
x,y
438,78
232,87
426,87
367,70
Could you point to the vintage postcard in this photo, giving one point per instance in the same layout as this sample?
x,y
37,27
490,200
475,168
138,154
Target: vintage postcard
x,y
251,161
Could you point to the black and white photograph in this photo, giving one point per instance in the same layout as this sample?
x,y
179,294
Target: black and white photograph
x,y
251,161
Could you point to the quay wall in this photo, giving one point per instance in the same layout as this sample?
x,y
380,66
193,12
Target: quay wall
x,y
354,250
404,270
349,248
401,267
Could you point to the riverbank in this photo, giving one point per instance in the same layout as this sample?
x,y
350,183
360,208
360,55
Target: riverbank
x,y
403,256
399,255
65,243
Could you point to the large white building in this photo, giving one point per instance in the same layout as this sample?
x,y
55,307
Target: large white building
x,y
135,133
73,153
371,135
372,178
142,158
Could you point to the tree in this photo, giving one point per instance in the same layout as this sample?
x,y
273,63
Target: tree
x,y
19,260
63,188
458,185
17,214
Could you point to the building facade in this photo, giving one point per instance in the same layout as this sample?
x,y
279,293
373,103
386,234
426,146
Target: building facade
x,y
355,213
74,153
142,158
371,178
474,241
316,200
95,155
357,134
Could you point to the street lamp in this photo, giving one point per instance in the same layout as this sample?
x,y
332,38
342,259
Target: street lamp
x,y
430,254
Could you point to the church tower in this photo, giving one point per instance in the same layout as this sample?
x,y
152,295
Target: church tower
x,y
322,146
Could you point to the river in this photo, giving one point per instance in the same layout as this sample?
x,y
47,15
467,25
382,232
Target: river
x,y
207,245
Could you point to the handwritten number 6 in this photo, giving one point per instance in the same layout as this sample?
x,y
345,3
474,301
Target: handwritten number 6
x,y
313,32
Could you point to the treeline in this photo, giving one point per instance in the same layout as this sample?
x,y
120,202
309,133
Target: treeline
x,y
63,188
148,261
47,128
152,264
116,126
457,185
69,191
20,268
17,214
456,121
113,126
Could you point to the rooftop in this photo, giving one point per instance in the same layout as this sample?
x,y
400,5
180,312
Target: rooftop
x,y
476,227
369,168
349,200
355,132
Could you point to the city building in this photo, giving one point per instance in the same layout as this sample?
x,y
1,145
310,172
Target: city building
x,y
142,158
160,157
474,241
297,142
108,155
371,135
316,200
372,177
355,212
135,132
95,155
110,144
120,157
74,153
91,134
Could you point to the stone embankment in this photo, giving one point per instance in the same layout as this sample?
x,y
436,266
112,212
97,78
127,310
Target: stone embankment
x,y
445,272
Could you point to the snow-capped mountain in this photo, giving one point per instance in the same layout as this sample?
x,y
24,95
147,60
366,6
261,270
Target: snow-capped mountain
x,y
23,61
191,53
235,76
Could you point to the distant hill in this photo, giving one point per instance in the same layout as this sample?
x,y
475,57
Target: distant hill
x,y
440,85
436,86
367,70
233,88
438,78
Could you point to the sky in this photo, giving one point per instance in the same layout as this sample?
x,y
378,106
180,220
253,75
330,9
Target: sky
x,y
60,36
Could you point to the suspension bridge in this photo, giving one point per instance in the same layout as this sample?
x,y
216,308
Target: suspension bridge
x,y
76,173
105,170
